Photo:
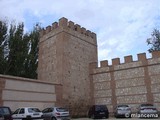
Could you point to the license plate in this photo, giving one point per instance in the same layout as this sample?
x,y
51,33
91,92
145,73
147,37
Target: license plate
x,y
36,114
101,113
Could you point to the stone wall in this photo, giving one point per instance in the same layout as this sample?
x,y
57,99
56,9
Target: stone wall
x,y
65,51
22,92
131,82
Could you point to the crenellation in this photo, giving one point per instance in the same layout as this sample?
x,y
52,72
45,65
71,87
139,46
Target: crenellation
x,y
83,30
128,59
63,22
68,25
77,28
71,25
54,25
142,57
94,36
155,54
130,63
48,29
116,61
104,63
88,33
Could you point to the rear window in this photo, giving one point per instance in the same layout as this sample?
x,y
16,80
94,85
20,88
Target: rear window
x,y
5,111
32,110
146,105
123,106
100,107
62,109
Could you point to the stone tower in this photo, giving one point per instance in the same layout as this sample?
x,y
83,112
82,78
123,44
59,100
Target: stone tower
x,y
65,51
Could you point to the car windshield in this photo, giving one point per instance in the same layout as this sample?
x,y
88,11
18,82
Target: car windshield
x,y
32,110
62,109
4,111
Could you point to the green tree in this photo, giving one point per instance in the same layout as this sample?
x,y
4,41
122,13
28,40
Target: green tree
x,y
31,63
154,41
18,50
3,45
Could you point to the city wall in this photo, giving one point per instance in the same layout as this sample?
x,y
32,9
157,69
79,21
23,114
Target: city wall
x,y
22,92
131,82
68,75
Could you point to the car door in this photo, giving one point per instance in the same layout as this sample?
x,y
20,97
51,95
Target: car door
x,y
21,113
15,115
45,113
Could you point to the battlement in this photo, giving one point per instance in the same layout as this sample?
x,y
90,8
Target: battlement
x,y
64,23
127,59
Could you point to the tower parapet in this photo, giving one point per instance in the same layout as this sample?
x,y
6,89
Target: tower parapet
x,y
69,26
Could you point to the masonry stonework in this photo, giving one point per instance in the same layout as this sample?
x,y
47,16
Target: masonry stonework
x,y
68,56
69,76
65,51
131,82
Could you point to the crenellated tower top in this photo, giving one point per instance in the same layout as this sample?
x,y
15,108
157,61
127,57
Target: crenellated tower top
x,y
70,26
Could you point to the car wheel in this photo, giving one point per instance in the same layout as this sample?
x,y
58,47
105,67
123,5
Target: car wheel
x,y
107,116
116,116
92,116
28,118
53,118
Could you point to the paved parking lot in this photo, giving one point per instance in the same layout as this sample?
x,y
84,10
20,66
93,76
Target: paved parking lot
x,y
112,119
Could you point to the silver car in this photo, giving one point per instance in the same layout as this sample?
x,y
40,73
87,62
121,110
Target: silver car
x,y
56,113
122,111
147,111
25,113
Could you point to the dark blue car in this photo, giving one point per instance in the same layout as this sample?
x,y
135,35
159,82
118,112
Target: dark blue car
x,y
98,111
5,113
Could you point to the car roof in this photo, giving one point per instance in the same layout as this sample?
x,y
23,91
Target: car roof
x,y
55,107
28,107
4,107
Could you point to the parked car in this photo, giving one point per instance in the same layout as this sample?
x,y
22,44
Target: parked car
x,y
27,113
122,111
147,110
56,113
5,113
98,111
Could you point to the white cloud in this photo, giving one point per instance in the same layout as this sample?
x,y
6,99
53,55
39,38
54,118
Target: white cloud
x,y
122,26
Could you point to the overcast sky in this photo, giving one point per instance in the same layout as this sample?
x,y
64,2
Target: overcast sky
x,y
122,26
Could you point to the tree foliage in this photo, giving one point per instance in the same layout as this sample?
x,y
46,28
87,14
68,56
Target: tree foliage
x,y
154,41
18,50
3,36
